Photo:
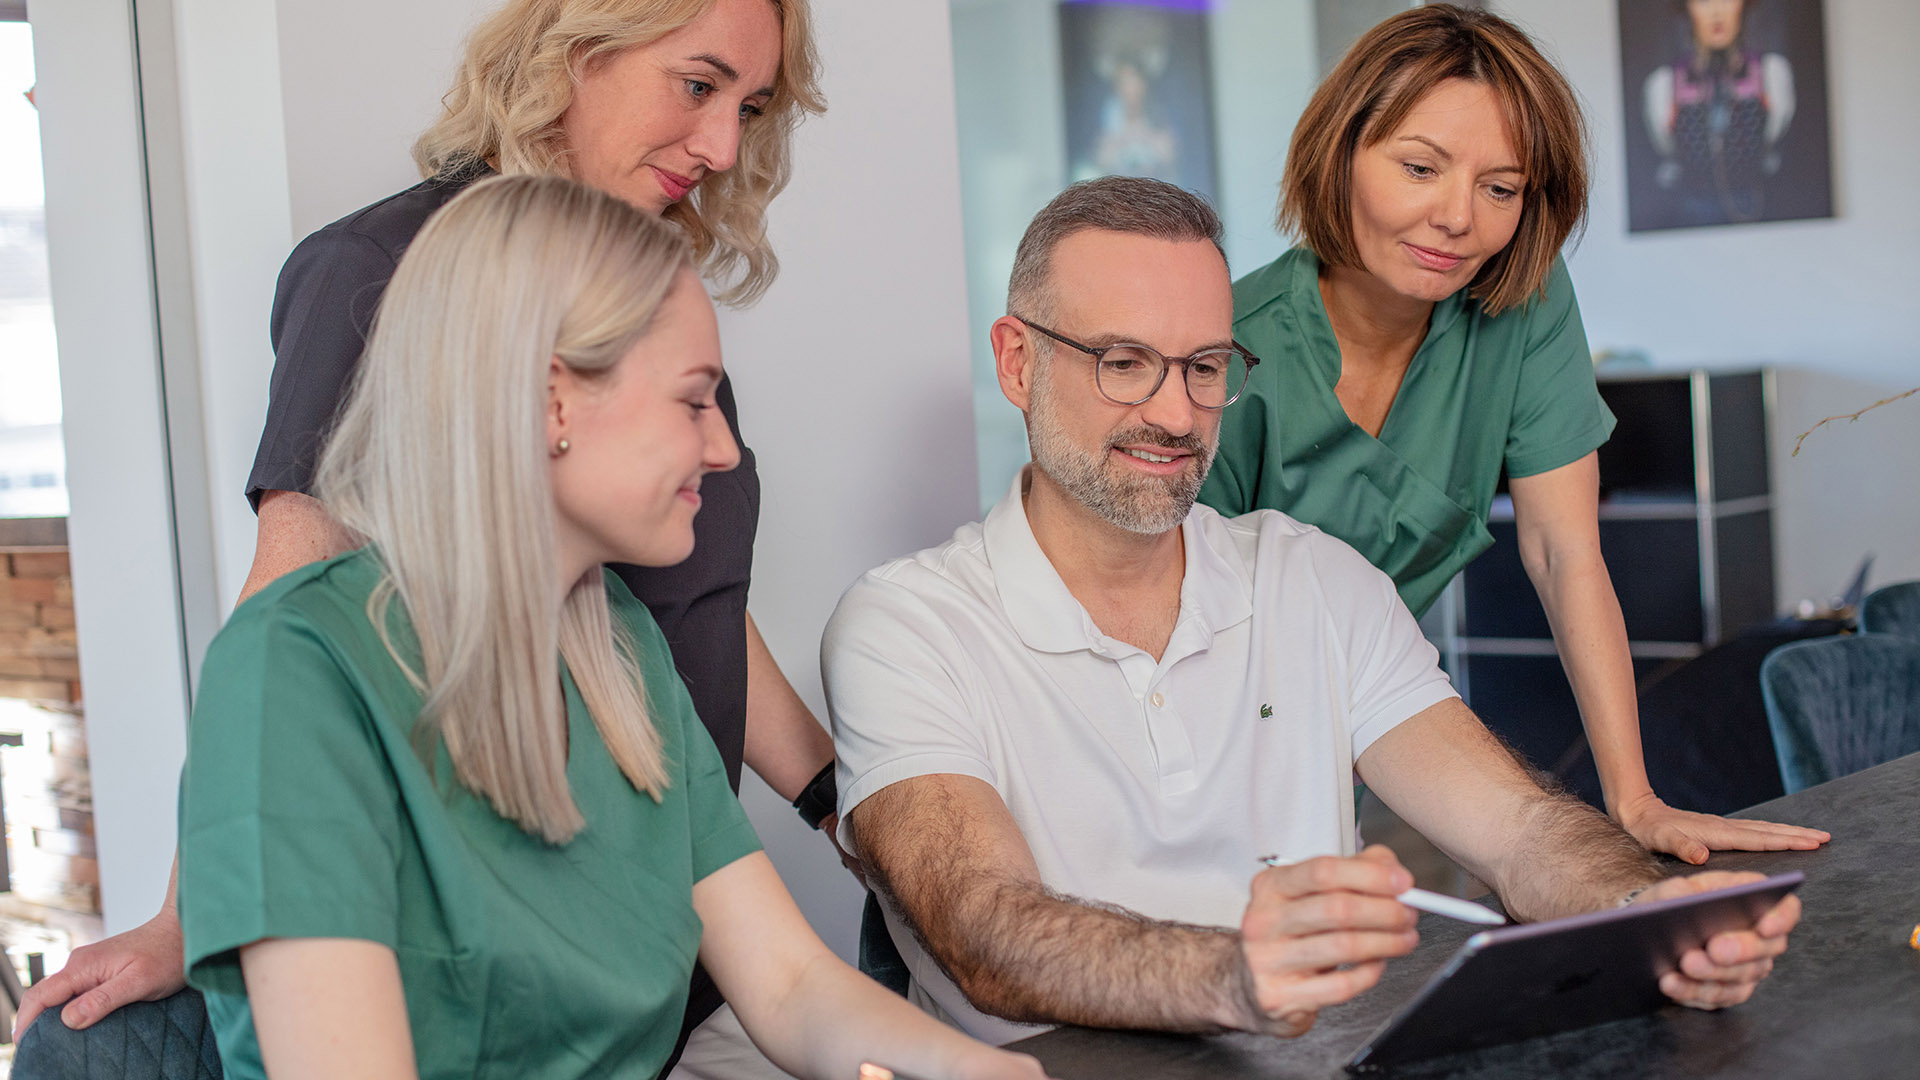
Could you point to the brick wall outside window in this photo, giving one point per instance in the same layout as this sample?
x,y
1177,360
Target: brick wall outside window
x,y
48,797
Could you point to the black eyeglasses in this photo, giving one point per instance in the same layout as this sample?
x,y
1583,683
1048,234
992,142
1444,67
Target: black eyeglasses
x,y
1129,374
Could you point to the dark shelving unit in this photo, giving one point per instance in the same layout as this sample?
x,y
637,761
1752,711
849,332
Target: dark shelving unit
x,y
1686,525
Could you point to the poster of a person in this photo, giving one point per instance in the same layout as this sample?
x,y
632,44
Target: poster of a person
x,y
1138,91
1726,111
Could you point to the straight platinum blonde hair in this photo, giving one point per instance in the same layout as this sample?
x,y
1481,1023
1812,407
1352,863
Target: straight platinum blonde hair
x,y
440,462
517,79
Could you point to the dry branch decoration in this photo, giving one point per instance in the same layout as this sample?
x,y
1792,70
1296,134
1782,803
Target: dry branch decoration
x,y
1849,418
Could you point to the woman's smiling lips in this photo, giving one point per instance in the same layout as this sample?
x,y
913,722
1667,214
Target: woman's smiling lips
x,y
1431,259
675,185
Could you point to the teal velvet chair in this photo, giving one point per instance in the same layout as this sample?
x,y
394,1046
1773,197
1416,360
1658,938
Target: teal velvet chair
x,y
1840,705
169,1039
1893,609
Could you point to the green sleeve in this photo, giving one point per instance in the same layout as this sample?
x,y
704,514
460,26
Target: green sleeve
x,y
1242,455
289,814
1558,417
721,831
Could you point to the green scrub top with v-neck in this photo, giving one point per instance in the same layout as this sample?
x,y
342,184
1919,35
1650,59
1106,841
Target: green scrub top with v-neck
x,y
308,811
1484,391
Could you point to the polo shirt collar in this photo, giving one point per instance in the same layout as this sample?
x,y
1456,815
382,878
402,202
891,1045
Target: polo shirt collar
x,y
1215,587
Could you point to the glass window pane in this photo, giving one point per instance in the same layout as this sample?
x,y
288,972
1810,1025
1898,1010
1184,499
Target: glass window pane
x,y
32,457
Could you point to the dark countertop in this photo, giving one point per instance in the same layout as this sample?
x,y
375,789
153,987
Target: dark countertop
x,y
1843,1002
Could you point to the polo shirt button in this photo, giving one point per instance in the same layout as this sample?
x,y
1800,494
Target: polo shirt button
x,y
1158,700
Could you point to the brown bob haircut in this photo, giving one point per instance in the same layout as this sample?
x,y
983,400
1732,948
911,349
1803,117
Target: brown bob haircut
x,y
1388,71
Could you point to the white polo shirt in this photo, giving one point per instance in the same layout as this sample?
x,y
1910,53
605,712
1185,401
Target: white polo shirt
x,y
1151,785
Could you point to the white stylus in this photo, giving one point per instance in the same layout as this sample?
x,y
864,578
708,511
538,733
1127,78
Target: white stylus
x,y
1451,907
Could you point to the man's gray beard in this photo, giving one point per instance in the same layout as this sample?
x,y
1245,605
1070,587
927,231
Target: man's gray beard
x,y
1149,505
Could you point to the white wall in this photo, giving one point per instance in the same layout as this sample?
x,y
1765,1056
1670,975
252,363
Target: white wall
x,y
354,101
851,374
234,156
1850,493
1264,70
1833,301
292,115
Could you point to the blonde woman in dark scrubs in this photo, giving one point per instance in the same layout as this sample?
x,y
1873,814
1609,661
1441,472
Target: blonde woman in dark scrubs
x,y
1424,335
684,109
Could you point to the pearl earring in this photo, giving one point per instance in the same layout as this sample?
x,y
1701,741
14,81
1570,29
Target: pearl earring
x,y
561,447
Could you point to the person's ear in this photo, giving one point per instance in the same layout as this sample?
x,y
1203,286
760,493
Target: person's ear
x,y
562,396
1013,360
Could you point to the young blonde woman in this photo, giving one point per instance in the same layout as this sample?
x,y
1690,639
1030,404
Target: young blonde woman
x,y
447,809
1424,336
681,108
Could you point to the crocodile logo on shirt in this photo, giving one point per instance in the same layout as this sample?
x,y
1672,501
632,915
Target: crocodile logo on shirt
x,y
1266,711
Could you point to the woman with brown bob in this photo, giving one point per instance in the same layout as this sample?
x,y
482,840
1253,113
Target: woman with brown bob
x,y
681,108
1424,335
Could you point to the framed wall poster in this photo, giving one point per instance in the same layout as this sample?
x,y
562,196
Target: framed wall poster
x,y
1726,112
1137,78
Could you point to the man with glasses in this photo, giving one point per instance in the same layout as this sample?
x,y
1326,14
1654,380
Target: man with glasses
x,y
1066,735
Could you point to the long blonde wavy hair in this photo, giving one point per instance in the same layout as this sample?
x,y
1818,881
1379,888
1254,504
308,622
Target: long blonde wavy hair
x,y
517,79
440,462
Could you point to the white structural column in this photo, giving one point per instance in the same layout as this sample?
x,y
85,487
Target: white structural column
x,y
120,527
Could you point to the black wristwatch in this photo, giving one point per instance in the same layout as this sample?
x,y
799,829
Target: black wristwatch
x,y
818,798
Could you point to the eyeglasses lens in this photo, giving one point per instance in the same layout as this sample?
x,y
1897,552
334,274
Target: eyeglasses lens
x,y
1129,376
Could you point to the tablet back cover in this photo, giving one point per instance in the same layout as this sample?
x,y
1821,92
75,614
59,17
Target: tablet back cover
x,y
1517,982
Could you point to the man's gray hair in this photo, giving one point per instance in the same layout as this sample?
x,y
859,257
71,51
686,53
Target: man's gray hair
x,y
1127,204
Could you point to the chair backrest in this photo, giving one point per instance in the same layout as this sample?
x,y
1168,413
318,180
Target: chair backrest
x,y
1842,704
169,1039
1892,609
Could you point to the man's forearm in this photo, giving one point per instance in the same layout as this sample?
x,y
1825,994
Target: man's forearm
x,y
1545,852
1023,952
1543,882
946,854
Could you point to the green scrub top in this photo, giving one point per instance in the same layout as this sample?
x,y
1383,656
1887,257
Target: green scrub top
x,y
1514,390
306,812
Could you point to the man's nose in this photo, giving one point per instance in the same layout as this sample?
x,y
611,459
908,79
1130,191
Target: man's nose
x,y
1170,409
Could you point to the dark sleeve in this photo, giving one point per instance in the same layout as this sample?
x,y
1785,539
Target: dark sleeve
x,y
322,310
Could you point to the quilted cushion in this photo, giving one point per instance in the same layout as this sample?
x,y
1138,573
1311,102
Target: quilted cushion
x,y
169,1039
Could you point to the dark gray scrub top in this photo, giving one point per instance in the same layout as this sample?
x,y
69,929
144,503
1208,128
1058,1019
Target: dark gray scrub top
x,y
322,312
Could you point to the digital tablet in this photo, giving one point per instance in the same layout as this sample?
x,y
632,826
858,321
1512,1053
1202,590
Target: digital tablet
x,y
1520,981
